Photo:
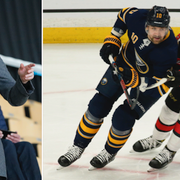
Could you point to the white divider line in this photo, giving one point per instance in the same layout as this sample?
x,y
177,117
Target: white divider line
x,y
14,62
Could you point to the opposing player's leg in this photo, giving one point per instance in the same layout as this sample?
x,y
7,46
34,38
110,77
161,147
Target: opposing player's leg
x,y
161,160
173,145
166,156
164,124
98,108
122,122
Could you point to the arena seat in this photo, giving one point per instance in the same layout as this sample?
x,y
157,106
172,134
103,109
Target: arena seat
x,y
33,110
25,128
11,111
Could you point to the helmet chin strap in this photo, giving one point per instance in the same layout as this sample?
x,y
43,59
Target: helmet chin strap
x,y
146,28
167,31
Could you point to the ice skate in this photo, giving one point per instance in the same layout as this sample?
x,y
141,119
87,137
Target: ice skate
x,y
101,160
162,160
71,156
146,145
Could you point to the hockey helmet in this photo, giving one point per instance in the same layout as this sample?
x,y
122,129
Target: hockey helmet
x,y
158,16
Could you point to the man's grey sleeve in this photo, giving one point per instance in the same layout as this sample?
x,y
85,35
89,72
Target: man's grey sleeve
x,y
2,161
13,91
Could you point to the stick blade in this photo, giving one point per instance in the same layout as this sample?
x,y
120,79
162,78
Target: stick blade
x,y
162,81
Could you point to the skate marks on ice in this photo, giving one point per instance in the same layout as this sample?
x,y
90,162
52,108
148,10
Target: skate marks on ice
x,y
131,167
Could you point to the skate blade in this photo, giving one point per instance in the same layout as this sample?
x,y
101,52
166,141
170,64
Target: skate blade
x,y
60,167
154,169
92,168
132,151
144,152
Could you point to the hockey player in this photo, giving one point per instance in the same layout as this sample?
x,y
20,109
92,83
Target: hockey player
x,y
168,121
145,58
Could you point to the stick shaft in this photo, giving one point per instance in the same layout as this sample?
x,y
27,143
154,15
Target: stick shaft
x,y
129,100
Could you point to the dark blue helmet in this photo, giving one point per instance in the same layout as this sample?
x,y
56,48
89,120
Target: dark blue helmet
x,y
158,16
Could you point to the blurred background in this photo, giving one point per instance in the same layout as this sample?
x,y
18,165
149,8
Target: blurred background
x,y
21,42
91,21
20,34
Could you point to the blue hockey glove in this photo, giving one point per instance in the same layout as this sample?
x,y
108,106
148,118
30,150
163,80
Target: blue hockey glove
x,y
131,78
129,75
111,45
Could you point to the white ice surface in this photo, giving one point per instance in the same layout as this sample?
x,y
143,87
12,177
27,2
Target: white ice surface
x,y
70,75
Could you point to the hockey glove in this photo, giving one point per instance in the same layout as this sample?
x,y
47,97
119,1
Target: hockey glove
x,y
132,79
174,76
130,76
111,46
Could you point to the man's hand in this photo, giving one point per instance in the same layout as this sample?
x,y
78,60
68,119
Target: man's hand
x,y
26,73
14,137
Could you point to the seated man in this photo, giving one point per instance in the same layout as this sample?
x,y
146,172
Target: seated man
x,y
2,163
20,157
16,93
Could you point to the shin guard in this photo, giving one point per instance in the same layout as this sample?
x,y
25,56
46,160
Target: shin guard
x,y
116,140
87,129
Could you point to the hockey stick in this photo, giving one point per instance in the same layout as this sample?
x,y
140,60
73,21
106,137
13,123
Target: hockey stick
x,y
131,102
160,82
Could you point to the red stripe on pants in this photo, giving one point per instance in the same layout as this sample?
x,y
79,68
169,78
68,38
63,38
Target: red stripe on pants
x,y
164,127
177,127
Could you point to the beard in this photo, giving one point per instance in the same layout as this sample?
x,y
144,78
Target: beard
x,y
156,39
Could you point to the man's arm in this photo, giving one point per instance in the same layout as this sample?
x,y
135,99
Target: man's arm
x,y
15,92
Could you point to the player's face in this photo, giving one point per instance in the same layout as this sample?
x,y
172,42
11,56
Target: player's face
x,y
156,34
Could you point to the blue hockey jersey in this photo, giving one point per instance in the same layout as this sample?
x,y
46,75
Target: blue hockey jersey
x,y
150,60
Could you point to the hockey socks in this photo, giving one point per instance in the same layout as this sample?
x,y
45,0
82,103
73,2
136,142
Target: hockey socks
x,y
177,129
160,126
174,141
88,127
165,123
115,142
